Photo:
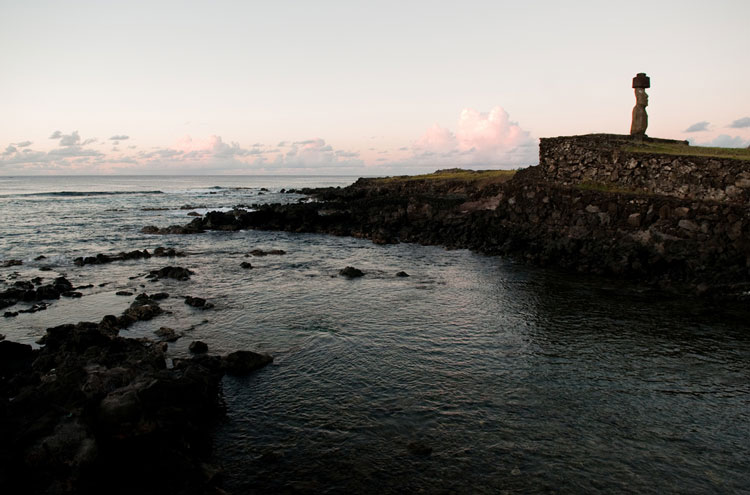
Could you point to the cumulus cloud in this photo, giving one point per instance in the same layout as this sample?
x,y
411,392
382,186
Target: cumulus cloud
x,y
697,127
740,123
481,139
56,135
119,137
24,144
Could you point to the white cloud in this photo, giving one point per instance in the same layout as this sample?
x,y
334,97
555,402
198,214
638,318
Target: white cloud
x,y
119,137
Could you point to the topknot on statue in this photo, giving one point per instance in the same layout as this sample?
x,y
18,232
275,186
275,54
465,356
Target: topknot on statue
x,y
641,80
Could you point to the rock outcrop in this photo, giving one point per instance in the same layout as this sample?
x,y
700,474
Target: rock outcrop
x,y
92,412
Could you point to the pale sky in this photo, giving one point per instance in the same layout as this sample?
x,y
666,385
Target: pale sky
x,y
350,87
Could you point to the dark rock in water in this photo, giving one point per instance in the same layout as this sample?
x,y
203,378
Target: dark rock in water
x,y
167,252
402,274
142,309
172,229
198,347
193,214
10,314
219,220
175,272
198,302
159,296
101,258
243,362
45,268
167,334
72,294
246,265
40,257
38,281
123,293
23,285
47,292
264,189
9,263
87,286
25,291
351,272
419,448
62,283
36,307
260,252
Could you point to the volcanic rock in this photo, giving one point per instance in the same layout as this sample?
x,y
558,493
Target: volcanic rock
x,y
175,272
198,347
243,362
351,272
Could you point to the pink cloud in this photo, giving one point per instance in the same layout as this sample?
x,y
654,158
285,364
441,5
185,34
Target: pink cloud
x,y
482,139
437,138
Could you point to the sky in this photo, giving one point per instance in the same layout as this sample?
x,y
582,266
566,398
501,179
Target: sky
x,y
353,87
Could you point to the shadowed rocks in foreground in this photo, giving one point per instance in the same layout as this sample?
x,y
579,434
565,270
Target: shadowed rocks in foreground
x,y
93,412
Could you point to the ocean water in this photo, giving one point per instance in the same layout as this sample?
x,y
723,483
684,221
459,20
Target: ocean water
x,y
515,379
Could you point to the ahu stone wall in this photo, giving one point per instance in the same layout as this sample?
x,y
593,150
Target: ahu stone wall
x,y
603,160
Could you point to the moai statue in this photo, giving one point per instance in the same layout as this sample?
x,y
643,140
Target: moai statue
x,y
640,118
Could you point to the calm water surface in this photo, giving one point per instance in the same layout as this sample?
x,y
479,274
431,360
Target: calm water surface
x,y
518,379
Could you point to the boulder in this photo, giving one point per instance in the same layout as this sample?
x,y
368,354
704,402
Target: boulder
x,y
198,347
198,302
351,272
174,272
167,334
243,362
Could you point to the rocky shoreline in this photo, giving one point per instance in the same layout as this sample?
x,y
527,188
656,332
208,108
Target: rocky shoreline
x,y
680,245
94,412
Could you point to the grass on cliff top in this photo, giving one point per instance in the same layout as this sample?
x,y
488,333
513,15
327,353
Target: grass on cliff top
x,y
456,174
680,149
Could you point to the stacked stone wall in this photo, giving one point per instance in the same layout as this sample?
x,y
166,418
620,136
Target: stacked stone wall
x,y
603,160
